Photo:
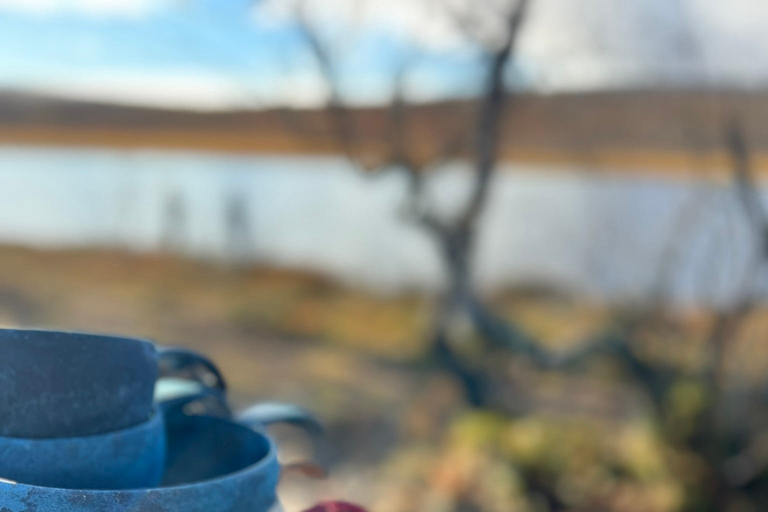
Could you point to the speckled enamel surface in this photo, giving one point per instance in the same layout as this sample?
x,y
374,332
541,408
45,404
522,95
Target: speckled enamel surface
x,y
251,488
63,384
129,458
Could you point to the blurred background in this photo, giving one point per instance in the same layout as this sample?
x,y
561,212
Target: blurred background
x,y
512,251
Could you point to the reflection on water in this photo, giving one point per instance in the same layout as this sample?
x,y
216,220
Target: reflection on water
x,y
604,235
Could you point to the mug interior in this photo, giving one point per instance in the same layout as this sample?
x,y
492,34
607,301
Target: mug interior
x,y
202,448
230,483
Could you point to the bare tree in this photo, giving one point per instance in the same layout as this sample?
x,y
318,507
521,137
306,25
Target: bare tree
x,y
455,237
721,446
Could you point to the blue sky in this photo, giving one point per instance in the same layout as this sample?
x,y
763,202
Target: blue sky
x,y
194,48
201,54
211,54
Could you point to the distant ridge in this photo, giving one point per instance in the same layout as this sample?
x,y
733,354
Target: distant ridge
x,y
665,127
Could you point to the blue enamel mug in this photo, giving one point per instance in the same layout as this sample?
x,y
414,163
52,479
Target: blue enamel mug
x,y
214,465
205,437
128,458
180,398
64,384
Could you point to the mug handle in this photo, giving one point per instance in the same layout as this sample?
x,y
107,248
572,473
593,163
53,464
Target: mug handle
x,y
173,361
268,413
208,402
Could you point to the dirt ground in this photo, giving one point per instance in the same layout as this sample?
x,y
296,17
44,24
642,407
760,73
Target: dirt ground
x,y
267,330
399,437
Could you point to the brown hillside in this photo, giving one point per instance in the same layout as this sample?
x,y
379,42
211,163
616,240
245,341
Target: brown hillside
x,y
641,128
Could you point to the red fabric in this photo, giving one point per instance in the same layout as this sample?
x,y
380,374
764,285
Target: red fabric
x,y
336,506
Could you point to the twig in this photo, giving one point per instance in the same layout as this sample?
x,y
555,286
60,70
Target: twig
x,y
488,129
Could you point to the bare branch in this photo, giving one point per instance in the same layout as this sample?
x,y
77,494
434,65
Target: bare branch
x,y
343,123
613,341
466,24
492,105
398,122
745,183
669,259
398,157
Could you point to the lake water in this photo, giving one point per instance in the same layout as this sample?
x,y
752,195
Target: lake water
x,y
599,234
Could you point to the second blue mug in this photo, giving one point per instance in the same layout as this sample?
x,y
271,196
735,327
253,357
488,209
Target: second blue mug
x,y
129,458
214,465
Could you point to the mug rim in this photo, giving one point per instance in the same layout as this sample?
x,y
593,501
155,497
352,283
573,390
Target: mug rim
x,y
78,334
121,459
268,459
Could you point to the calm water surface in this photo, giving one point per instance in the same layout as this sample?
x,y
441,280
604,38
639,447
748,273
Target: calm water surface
x,y
604,235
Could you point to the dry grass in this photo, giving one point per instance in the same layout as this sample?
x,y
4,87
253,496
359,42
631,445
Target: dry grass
x,y
400,439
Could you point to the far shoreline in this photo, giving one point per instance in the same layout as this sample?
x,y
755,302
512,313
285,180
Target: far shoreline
x,y
619,161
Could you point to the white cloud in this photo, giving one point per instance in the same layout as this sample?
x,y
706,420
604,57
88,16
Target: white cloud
x,y
190,89
177,90
131,8
567,44
424,22
579,43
